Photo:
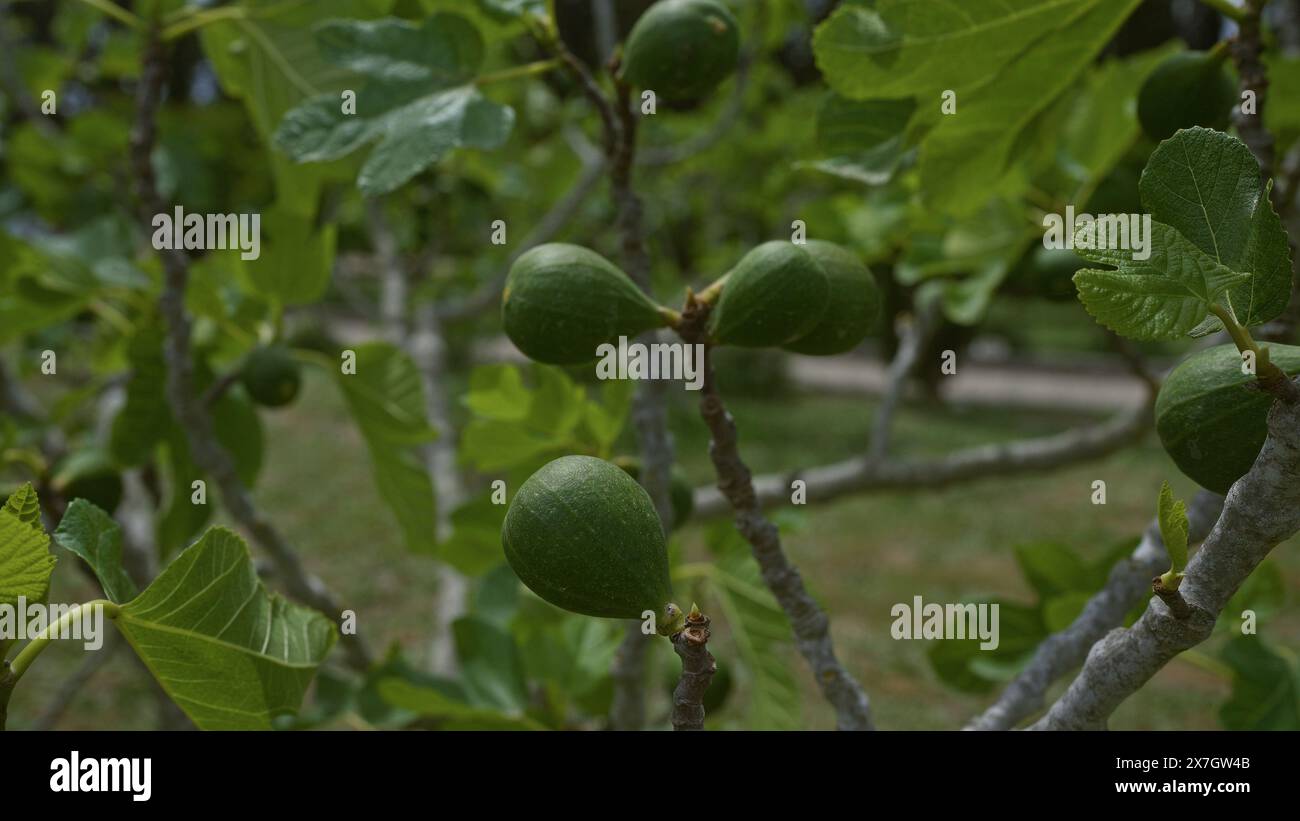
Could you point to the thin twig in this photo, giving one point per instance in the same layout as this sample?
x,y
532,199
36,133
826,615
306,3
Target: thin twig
x,y
900,370
698,667
809,622
824,483
190,413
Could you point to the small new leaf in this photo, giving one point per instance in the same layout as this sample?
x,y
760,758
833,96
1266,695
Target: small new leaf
x,y
94,536
1166,296
1172,516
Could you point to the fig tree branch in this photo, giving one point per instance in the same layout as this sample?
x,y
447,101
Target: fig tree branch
x,y
190,413
862,475
900,369
698,667
810,624
1062,652
1247,50
1261,510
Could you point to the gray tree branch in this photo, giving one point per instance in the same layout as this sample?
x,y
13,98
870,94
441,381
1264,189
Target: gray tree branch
x,y
809,622
698,667
191,415
1128,582
862,474
1261,510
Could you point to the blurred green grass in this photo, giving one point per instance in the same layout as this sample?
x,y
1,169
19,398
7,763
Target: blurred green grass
x,y
860,555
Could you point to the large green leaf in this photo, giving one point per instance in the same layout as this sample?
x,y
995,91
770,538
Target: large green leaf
x,y
386,398
1206,185
903,48
967,154
230,654
270,61
93,535
863,140
419,103
1164,297
25,560
1265,687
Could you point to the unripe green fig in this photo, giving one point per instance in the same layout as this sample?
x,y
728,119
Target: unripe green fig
x,y
89,474
680,490
1187,89
562,302
584,536
774,295
271,376
682,49
1210,421
852,309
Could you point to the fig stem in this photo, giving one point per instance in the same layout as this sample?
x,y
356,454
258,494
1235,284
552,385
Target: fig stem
x,y
698,666
1271,378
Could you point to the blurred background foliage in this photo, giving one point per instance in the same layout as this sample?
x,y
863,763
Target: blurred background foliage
x,y
776,144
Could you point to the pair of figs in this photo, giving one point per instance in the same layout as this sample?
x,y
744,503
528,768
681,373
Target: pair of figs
x,y
562,302
1211,420
682,49
584,536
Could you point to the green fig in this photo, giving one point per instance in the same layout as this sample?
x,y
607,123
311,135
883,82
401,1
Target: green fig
x,y
562,302
852,309
89,474
271,376
1189,88
1210,420
776,294
584,536
682,49
680,490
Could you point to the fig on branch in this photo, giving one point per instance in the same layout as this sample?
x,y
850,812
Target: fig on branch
x,y
775,295
680,490
852,309
563,301
271,376
1210,420
89,474
584,536
682,49
1187,89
